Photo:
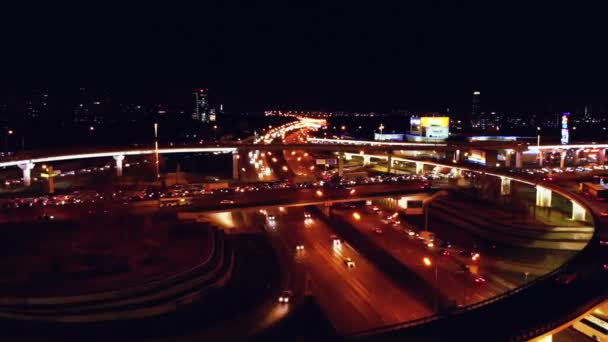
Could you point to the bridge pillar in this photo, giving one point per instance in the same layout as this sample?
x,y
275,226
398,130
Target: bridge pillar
x,y
601,156
366,160
389,163
540,158
457,172
419,168
518,159
235,165
508,159
27,172
562,159
543,196
578,212
456,156
505,186
577,156
341,164
119,158
327,208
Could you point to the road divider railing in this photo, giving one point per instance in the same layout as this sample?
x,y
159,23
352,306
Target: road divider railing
x,y
527,330
154,298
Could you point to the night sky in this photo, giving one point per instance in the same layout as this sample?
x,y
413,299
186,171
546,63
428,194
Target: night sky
x,y
366,56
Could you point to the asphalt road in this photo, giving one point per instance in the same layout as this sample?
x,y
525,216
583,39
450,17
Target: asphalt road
x,y
449,277
353,299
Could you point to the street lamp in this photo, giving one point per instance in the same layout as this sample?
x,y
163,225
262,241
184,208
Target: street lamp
x,y
538,136
381,128
427,262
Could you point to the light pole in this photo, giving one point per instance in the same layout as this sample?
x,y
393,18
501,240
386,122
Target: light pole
x,y
381,128
538,136
156,150
427,262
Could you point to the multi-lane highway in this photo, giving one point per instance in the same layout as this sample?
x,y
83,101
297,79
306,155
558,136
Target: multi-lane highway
x,y
449,276
353,299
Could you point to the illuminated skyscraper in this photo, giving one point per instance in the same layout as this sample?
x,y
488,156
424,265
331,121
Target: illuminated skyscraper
x,y
475,110
201,108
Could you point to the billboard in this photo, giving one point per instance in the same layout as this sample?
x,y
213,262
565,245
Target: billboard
x,y
326,161
435,121
565,134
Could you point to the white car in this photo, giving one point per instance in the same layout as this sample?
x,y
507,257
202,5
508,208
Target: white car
x,y
349,262
285,297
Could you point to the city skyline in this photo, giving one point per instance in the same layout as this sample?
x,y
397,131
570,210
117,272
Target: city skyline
x,y
528,58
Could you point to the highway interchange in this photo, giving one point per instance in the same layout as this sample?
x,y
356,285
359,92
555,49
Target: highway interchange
x,y
440,277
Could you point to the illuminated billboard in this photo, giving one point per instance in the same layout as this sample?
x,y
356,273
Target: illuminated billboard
x,y
435,121
436,127
565,134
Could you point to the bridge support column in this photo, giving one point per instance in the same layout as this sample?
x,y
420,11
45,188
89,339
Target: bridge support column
x,y
456,158
419,168
540,158
578,212
543,196
457,173
562,159
508,159
577,157
518,160
341,164
327,208
119,158
601,156
235,165
366,160
389,163
505,186
27,172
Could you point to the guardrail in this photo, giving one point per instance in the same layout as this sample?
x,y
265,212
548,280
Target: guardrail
x,y
149,299
519,335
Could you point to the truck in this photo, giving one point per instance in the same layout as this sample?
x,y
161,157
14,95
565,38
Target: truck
x,y
216,186
426,236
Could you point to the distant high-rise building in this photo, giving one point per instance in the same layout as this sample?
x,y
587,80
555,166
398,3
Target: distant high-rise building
x,y
201,108
475,110
36,105
82,114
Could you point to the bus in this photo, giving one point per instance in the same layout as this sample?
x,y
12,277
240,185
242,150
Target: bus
x,y
598,191
592,326
175,202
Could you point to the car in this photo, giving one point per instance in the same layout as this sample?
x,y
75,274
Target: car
x,y
285,297
271,217
299,247
349,262
479,279
378,230
445,252
226,202
410,232
604,242
566,278
307,215
46,217
604,213
335,240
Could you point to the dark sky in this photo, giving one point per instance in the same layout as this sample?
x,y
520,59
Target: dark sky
x,y
351,55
